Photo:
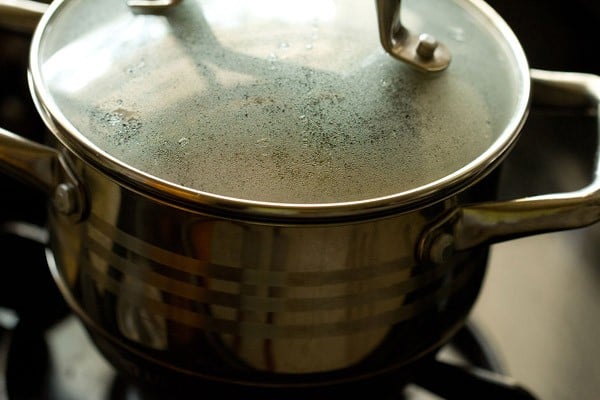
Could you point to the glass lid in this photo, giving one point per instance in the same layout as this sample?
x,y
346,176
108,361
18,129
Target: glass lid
x,y
281,101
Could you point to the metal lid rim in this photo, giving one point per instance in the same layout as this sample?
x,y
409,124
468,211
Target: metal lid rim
x,y
214,204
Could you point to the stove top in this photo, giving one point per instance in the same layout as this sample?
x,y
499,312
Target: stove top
x,y
59,362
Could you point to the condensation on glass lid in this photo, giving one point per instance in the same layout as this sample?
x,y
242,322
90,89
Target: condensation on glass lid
x,y
274,114
300,143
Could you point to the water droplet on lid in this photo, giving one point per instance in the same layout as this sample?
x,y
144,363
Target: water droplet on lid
x,y
263,141
308,46
135,68
458,34
284,45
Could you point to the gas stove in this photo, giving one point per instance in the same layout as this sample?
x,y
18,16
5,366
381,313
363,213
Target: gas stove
x,y
533,325
60,363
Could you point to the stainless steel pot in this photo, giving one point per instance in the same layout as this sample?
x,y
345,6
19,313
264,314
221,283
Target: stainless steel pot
x,y
219,286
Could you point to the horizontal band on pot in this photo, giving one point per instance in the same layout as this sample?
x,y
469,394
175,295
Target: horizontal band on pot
x,y
203,289
136,298
102,231
139,298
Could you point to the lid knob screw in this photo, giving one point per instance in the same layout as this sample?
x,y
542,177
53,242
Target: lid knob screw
x,y
427,45
64,198
442,249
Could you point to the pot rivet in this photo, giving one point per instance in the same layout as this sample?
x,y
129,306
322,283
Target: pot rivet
x,y
442,248
427,45
64,198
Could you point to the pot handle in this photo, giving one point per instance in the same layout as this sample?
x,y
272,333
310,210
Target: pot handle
x,y
45,168
472,225
21,15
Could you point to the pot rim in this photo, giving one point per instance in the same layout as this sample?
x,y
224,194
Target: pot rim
x,y
219,205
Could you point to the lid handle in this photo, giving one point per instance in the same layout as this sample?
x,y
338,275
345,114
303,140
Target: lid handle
x,y
422,51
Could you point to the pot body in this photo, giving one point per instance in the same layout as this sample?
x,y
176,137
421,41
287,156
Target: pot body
x,y
219,297
226,299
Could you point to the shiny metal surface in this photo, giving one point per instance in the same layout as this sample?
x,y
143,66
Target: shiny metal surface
x,y
548,212
29,161
420,50
197,292
474,225
44,168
